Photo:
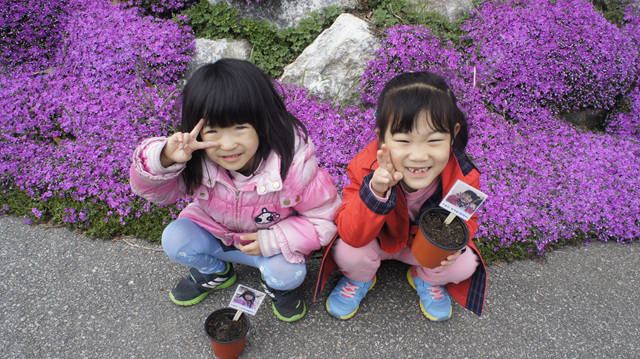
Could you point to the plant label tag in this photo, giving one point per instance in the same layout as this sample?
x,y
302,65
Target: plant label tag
x,y
463,200
247,299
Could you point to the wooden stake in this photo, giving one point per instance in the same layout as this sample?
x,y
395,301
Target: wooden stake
x,y
237,316
474,76
450,218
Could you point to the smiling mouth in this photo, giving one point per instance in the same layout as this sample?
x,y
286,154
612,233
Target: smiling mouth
x,y
232,157
418,170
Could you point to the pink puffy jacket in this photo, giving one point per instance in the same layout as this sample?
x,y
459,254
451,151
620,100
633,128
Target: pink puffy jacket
x,y
294,217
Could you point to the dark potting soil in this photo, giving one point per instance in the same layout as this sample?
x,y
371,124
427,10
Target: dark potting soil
x,y
223,328
447,236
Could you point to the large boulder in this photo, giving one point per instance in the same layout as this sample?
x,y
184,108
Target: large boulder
x,y
332,66
208,51
282,13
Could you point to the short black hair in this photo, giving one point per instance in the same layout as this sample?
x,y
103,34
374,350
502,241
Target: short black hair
x,y
408,95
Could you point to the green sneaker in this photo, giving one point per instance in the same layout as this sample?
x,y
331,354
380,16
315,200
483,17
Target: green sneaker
x,y
193,288
287,305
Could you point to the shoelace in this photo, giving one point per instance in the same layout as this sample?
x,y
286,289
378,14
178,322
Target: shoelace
x,y
349,290
436,292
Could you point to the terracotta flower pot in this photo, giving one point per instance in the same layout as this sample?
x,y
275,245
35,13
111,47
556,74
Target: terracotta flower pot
x,y
435,241
227,336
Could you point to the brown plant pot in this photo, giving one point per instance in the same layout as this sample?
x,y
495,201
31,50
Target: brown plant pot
x,y
227,336
435,241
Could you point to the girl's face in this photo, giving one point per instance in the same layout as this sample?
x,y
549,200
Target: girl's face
x,y
237,146
420,155
466,198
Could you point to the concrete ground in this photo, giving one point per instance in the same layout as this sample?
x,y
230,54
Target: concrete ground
x,y
69,296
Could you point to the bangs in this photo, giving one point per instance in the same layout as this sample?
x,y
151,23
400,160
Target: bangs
x,y
227,93
231,107
405,107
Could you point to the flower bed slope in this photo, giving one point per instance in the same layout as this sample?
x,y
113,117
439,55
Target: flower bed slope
x,y
561,55
69,133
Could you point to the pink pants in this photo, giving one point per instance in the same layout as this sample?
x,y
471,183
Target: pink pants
x,y
361,264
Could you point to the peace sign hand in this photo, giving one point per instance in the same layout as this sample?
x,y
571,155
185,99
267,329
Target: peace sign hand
x,y
385,176
181,145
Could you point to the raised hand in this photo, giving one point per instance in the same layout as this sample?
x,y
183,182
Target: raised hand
x,y
181,145
385,175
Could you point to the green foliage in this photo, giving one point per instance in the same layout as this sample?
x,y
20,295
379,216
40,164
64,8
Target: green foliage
x,y
272,50
309,28
390,13
612,10
267,52
491,251
212,21
96,220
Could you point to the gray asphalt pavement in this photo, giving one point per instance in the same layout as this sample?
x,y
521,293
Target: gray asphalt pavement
x,y
68,296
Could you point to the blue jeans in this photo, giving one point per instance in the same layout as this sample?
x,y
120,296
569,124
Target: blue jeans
x,y
187,243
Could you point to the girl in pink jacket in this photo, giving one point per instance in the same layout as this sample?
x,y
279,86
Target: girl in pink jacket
x,y
259,197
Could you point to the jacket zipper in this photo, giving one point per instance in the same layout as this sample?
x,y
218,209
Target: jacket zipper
x,y
237,208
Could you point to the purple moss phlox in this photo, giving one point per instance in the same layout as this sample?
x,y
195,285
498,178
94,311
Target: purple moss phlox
x,y
107,79
30,32
70,130
561,55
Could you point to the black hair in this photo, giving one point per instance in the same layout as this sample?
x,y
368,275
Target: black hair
x,y
408,95
253,297
233,92
474,196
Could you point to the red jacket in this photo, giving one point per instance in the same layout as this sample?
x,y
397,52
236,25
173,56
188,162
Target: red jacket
x,y
361,219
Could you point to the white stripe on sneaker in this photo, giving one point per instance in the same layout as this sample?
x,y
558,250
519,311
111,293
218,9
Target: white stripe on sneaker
x,y
216,282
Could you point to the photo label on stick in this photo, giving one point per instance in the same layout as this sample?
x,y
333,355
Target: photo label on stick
x,y
463,200
247,299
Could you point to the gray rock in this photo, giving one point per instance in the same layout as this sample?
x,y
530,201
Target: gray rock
x,y
282,13
208,51
587,118
333,64
452,9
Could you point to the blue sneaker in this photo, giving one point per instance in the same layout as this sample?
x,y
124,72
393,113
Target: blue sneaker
x,y
434,300
345,298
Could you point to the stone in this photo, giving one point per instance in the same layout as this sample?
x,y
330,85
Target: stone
x,y
333,65
282,13
451,9
587,118
208,51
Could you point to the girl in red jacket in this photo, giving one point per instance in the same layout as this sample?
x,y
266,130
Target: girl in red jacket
x,y
416,160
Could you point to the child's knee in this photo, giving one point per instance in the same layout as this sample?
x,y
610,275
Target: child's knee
x,y
460,270
352,257
175,238
285,277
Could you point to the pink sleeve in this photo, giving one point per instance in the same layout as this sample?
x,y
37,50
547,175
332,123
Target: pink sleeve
x,y
149,179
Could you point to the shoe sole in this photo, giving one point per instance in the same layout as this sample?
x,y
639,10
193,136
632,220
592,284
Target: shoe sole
x,y
200,298
430,317
348,316
263,283
292,319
